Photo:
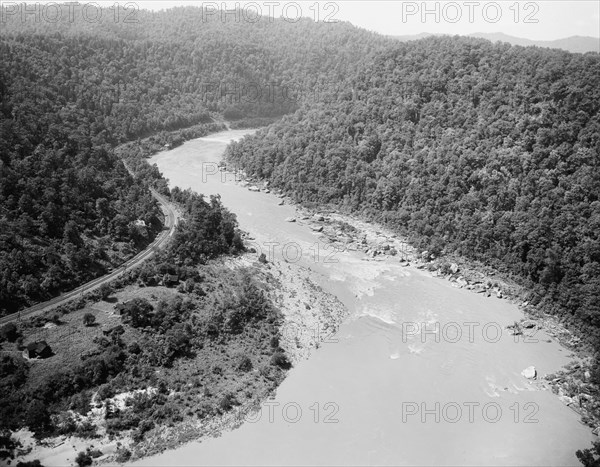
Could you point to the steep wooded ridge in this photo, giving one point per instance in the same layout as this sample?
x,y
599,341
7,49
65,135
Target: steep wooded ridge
x,y
71,91
488,151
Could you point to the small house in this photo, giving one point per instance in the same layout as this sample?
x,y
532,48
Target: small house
x,y
39,349
124,308
170,279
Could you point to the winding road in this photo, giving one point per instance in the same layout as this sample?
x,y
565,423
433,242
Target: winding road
x,y
171,218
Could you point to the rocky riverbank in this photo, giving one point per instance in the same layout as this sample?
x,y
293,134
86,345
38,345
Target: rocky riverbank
x,y
312,316
574,385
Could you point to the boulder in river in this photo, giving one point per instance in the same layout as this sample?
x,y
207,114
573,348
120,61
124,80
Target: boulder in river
x,y
529,372
290,219
253,188
317,228
454,268
281,202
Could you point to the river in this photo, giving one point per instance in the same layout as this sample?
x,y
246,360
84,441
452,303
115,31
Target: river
x,y
421,373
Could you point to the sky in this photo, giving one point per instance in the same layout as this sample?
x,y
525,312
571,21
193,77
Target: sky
x,y
536,20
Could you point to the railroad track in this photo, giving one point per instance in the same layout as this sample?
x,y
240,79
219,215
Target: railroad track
x,y
160,240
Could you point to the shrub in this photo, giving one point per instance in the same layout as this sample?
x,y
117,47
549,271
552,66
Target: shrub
x,y
83,459
123,455
37,417
105,290
198,290
80,402
7,445
34,463
64,423
134,348
89,319
205,409
280,360
146,425
227,402
590,457
105,391
86,430
243,363
9,332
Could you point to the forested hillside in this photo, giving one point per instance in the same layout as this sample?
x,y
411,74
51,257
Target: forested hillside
x,y
488,151
71,91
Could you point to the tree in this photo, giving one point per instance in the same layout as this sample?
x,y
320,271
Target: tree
x,y
102,207
590,457
9,332
189,285
243,363
71,233
140,313
33,463
89,319
280,360
227,402
37,417
83,459
13,372
105,290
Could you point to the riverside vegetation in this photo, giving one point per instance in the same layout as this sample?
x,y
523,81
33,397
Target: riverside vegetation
x,y
483,150
72,91
486,151
197,340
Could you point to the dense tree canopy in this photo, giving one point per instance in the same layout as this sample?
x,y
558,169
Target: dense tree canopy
x,y
489,151
72,90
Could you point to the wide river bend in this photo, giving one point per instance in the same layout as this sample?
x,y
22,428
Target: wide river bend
x,y
388,389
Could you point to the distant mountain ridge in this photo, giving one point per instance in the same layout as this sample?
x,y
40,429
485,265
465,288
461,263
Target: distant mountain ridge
x,y
575,44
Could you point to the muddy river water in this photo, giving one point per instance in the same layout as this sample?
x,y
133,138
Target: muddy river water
x,y
421,373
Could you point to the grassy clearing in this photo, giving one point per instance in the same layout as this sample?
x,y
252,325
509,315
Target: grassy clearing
x,y
204,354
